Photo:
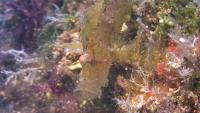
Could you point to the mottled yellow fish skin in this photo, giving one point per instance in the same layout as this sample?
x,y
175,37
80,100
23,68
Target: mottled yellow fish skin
x,y
101,24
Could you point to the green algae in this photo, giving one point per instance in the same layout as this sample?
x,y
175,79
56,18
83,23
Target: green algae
x,y
185,13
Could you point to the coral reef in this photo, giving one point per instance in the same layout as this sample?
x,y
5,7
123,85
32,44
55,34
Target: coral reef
x,y
157,48
99,56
